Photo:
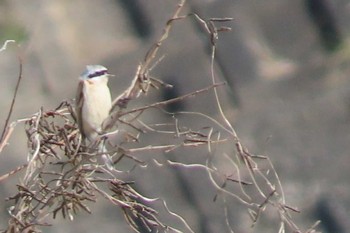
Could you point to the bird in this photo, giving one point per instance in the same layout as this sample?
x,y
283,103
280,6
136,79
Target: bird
x,y
93,101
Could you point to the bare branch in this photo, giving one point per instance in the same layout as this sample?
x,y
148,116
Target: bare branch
x,y
5,129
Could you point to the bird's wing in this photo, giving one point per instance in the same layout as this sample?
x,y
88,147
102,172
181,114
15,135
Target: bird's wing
x,y
79,101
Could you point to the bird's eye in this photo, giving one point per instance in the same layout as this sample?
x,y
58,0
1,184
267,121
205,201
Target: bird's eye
x,y
97,73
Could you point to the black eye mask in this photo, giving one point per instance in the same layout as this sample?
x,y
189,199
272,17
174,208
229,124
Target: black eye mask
x,y
97,73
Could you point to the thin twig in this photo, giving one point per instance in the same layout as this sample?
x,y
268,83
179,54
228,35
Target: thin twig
x,y
13,99
170,101
4,46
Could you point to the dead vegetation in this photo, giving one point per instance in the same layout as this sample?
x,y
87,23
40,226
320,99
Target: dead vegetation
x,y
62,176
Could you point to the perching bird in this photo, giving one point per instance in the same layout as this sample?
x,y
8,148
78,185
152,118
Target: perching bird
x,y
93,101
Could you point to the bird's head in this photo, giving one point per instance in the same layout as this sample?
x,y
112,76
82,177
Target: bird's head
x,y
95,73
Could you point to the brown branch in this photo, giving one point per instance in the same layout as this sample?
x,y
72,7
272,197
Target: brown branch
x,y
13,100
151,54
12,172
170,101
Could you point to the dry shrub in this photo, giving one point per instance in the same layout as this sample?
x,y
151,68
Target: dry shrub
x,y
63,176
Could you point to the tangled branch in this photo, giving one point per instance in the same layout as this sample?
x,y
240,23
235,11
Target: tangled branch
x,y
63,176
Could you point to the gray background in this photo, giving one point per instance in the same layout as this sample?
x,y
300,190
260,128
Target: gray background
x,y
293,94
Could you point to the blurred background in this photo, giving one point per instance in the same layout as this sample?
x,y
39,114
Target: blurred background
x,y
286,64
